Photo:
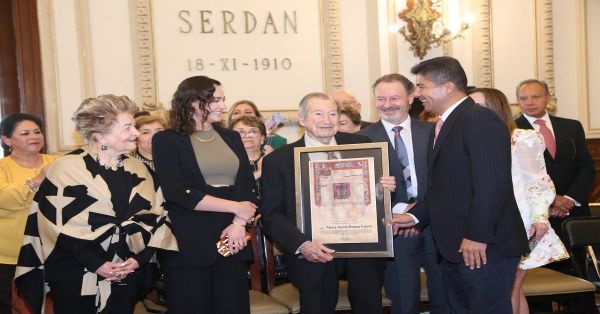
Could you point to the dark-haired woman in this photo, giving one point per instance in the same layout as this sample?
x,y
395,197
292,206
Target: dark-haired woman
x,y
208,185
21,173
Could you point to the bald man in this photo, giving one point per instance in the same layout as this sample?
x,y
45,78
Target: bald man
x,y
346,99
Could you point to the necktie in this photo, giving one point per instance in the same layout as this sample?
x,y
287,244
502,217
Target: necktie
x,y
548,137
331,156
438,127
402,154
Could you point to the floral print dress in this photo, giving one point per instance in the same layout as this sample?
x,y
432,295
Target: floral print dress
x,y
534,192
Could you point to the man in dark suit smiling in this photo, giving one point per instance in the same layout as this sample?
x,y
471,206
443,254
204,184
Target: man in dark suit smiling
x,y
470,202
408,142
568,159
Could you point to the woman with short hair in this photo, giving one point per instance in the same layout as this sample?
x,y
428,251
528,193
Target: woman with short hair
x,y
96,220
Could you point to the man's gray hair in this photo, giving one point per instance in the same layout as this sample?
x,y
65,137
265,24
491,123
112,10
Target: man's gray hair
x,y
533,81
303,107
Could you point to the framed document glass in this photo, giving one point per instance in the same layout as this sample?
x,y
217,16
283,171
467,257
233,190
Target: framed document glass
x,y
339,201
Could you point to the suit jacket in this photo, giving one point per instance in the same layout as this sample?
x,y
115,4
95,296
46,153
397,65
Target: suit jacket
x,y
470,193
279,208
184,187
420,140
572,171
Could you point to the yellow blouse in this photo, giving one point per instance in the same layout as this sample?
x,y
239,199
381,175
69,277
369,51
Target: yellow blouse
x,y
15,200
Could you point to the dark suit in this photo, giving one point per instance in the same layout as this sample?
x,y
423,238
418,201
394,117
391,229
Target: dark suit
x,y
197,232
470,195
317,282
402,278
572,171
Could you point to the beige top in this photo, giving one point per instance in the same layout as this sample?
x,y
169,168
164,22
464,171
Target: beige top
x,y
218,163
15,201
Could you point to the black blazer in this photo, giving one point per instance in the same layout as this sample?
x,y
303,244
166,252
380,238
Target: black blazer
x,y
183,185
279,208
421,132
572,171
470,193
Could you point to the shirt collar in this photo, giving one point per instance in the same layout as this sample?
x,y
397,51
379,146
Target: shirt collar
x,y
310,142
388,126
545,117
448,111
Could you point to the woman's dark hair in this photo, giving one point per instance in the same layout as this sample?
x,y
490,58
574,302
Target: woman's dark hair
x,y
251,122
195,88
9,123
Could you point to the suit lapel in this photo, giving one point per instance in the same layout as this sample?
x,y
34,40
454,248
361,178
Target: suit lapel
x,y
189,157
380,134
561,138
448,125
420,143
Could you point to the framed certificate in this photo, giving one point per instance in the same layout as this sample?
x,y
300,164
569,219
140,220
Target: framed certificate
x,y
339,201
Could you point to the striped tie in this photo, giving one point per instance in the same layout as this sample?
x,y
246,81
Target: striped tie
x,y
402,154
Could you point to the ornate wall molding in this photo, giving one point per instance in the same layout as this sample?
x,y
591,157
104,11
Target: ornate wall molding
x,y
483,64
140,12
331,32
544,42
84,43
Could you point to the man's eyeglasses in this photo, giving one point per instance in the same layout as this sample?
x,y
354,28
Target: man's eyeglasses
x,y
249,133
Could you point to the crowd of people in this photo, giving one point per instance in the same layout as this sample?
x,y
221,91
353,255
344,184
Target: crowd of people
x,y
477,199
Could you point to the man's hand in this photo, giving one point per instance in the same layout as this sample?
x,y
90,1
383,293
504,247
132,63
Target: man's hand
x,y
563,203
401,221
388,182
473,253
316,252
408,232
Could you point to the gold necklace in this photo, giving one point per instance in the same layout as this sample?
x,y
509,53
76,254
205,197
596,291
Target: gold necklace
x,y
205,140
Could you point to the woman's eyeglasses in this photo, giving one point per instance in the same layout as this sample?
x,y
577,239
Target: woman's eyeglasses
x,y
248,133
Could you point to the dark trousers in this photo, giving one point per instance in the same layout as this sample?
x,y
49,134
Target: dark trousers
x,y
480,291
402,275
7,274
218,288
365,280
68,299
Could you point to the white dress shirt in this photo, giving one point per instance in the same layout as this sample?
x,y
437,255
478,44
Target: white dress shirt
x,y
406,135
536,126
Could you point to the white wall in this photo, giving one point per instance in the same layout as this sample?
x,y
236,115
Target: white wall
x,y
369,51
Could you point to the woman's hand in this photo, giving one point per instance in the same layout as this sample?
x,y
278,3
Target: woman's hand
x,y
245,210
267,149
37,180
237,237
117,271
539,229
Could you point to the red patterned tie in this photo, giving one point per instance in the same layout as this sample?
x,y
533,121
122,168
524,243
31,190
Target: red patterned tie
x,y
548,137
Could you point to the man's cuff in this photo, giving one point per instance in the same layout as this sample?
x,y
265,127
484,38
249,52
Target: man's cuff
x,y
399,208
576,202
414,218
300,247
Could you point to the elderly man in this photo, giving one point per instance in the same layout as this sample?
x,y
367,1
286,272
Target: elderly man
x,y
346,99
568,159
311,266
470,202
